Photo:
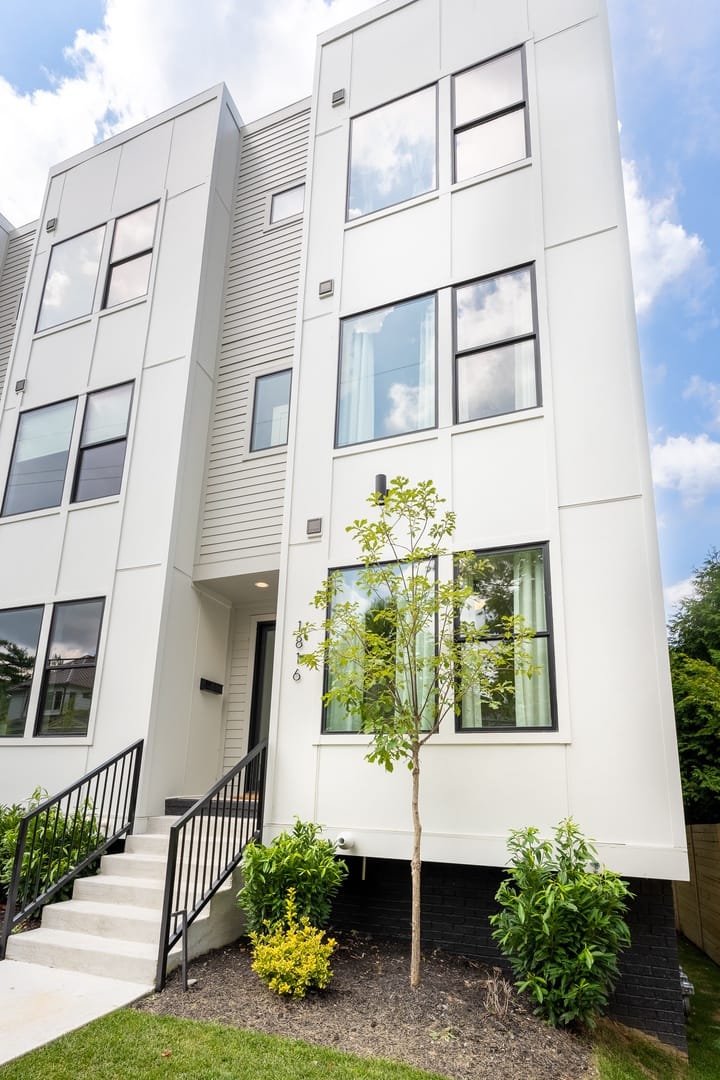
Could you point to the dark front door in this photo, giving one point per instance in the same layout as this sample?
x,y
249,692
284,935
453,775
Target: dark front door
x,y
262,683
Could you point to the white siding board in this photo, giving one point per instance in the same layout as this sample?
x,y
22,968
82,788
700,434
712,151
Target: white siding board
x,y
12,282
242,510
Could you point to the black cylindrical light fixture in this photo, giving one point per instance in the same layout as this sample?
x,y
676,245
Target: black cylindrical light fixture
x,y
381,487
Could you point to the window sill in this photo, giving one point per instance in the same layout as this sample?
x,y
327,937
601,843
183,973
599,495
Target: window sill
x,y
102,500
386,211
46,740
69,325
26,515
525,736
386,443
519,417
482,178
270,451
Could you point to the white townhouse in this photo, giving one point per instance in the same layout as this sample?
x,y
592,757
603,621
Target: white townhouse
x,y
213,340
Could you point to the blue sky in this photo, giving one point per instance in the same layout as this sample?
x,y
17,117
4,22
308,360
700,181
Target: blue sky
x,y
75,71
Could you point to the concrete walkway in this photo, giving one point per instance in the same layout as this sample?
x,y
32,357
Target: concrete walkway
x,y
38,1004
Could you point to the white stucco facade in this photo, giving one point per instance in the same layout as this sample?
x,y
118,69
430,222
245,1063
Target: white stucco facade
x,y
203,514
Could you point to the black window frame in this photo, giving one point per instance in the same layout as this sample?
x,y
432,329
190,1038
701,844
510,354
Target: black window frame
x,y
258,378
41,609
103,442
26,412
488,118
495,345
113,263
54,247
548,635
47,667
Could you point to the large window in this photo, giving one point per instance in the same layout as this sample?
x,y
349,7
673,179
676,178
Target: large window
x,y
72,274
39,461
490,122
101,453
393,153
19,634
270,411
69,673
496,364
509,584
44,439
130,256
387,372
374,607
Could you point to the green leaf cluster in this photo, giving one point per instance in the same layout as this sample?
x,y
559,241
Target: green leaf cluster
x,y
56,843
299,860
293,956
561,925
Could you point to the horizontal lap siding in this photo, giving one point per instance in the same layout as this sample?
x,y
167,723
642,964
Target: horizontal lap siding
x,y
12,282
243,504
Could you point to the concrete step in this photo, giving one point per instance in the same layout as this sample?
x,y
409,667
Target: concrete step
x,y
134,865
131,961
160,824
147,844
121,889
124,921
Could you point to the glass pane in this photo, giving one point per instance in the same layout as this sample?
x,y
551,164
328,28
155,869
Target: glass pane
x,y
106,414
496,381
19,633
488,88
287,203
507,584
133,233
494,310
100,470
70,668
528,706
270,415
392,155
491,145
387,372
128,280
37,471
72,276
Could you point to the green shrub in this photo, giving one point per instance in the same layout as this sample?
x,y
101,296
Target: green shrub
x,y
55,843
292,957
561,925
299,860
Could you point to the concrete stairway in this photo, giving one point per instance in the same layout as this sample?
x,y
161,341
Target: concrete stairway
x,y
111,926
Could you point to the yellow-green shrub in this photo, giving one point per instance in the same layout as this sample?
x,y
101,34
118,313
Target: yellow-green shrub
x,y
291,957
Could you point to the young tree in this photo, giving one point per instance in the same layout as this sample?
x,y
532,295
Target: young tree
x,y
404,647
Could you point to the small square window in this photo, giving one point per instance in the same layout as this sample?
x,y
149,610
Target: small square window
x,y
131,256
393,153
287,204
271,410
490,116
496,363
69,291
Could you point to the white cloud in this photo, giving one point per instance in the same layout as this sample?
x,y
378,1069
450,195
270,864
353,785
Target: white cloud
x,y
675,594
707,392
147,56
662,251
690,466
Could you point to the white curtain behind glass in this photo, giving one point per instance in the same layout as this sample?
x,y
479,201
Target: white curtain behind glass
x,y
532,706
357,414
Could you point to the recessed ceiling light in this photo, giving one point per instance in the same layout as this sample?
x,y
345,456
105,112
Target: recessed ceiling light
x,y
262,585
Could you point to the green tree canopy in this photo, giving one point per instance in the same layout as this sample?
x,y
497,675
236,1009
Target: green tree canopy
x,y
695,628
696,691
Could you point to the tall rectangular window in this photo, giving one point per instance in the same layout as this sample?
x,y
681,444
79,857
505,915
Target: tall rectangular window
x,y
490,121
69,291
507,584
270,410
69,674
128,274
387,372
393,155
101,454
39,461
374,607
19,635
496,363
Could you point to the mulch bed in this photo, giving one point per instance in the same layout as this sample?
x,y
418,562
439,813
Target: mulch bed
x,y
448,1025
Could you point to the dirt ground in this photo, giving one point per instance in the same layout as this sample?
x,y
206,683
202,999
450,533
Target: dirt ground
x,y
460,1022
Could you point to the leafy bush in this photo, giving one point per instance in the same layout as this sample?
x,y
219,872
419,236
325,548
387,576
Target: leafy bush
x,y
561,926
56,843
292,957
299,860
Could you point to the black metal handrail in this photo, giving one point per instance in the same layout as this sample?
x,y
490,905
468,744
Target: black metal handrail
x,y
62,836
206,844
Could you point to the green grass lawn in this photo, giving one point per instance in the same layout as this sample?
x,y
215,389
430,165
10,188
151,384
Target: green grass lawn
x,y
130,1045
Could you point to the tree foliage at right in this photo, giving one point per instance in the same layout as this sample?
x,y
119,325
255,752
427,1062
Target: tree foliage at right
x,y
694,635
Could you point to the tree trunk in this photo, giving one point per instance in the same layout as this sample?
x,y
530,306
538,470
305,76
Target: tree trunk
x,y
415,871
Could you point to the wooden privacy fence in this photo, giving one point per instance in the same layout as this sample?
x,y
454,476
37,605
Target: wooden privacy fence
x,y
697,902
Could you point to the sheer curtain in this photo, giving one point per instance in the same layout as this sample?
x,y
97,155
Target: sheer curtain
x,y
357,413
525,389
532,705
426,371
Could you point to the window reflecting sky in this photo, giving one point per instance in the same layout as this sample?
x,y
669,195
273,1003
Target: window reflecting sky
x,y
495,309
71,280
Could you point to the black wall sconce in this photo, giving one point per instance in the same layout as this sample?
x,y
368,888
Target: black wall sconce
x,y
381,487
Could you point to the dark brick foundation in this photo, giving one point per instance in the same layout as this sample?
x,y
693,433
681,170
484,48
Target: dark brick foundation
x,y
457,901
